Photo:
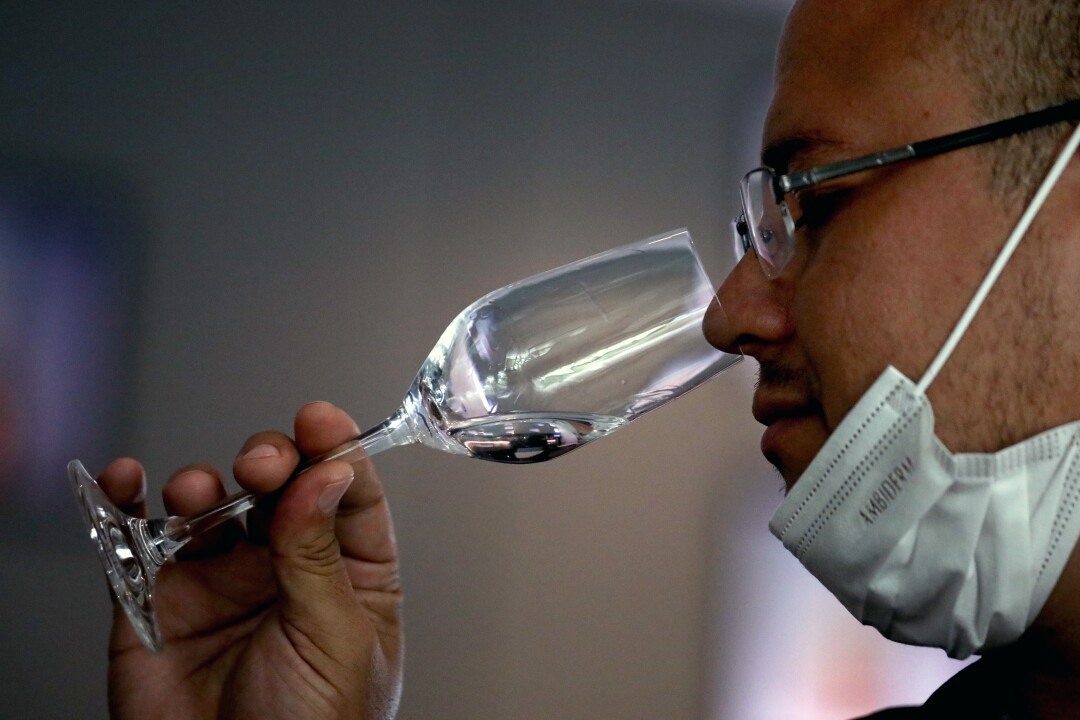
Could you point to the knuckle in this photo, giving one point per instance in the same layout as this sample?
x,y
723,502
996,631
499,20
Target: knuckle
x,y
320,554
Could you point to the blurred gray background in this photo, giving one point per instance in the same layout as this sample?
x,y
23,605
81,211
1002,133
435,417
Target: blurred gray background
x,y
299,198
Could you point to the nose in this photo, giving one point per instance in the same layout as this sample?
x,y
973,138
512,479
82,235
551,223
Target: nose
x,y
750,311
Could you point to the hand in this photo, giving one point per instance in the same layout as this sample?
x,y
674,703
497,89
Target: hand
x,y
298,617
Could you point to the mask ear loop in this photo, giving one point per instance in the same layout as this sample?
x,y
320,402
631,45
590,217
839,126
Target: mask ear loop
x,y
1017,235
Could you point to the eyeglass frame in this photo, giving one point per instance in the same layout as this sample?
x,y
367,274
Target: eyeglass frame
x,y
791,182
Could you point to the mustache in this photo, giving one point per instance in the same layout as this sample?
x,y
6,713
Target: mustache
x,y
773,374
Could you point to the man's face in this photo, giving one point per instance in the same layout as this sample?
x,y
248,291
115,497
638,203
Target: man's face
x,y
886,260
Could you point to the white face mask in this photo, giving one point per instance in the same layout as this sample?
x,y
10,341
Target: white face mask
x,y
957,551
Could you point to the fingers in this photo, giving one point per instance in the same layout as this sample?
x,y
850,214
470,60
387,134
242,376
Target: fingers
x,y
193,490
263,465
265,462
321,427
366,533
269,459
315,594
364,527
124,481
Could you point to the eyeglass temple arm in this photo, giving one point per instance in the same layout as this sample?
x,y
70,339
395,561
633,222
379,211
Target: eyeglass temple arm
x,y
935,146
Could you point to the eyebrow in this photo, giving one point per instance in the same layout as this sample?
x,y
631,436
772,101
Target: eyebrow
x,y
780,154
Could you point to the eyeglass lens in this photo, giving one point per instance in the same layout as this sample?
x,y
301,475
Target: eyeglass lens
x,y
770,226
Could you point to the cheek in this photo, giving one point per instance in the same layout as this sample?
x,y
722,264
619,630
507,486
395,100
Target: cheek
x,y
829,326
888,281
848,311
879,287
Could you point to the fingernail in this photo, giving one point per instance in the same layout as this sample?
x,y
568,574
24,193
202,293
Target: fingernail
x,y
261,451
329,406
332,494
140,496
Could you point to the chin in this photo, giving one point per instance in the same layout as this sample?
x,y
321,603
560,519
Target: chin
x,y
791,445
790,467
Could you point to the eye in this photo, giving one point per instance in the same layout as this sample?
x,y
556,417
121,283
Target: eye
x,y
817,209
769,239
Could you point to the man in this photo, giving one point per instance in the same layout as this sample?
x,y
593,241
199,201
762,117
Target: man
x,y
883,264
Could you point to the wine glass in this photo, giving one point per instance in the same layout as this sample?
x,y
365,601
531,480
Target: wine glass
x,y
525,374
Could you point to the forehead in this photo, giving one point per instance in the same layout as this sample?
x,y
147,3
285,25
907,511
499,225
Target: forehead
x,y
854,77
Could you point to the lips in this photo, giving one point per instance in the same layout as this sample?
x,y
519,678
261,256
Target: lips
x,y
770,409
793,434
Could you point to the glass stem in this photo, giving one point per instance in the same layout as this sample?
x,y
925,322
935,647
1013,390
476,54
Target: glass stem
x,y
163,537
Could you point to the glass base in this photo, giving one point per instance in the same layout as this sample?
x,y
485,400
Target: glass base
x,y
122,546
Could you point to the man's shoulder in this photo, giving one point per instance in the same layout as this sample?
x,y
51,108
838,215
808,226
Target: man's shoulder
x,y
898,713
978,692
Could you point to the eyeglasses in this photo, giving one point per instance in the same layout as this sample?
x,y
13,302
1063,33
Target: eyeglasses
x,y
766,225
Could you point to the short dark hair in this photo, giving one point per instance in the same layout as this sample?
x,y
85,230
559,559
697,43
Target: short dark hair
x,y
1022,55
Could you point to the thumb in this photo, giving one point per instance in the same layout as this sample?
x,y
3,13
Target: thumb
x,y
315,596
